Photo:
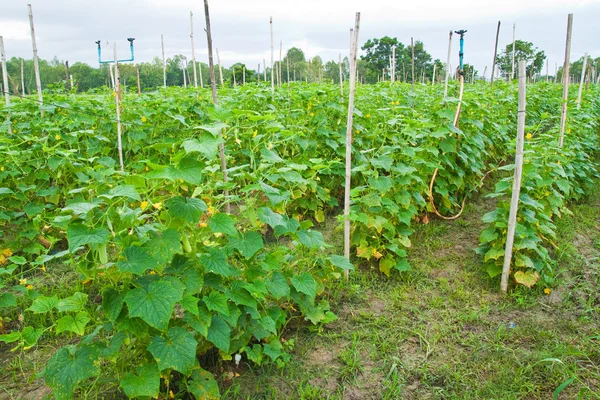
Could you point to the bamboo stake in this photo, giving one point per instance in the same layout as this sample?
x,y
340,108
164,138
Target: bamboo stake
x,y
184,67
220,68
495,53
516,189
348,181
137,73
22,79
213,84
112,74
433,77
67,76
36,66
447,66
272,51
162,43
258,74
412,47
287,60
566,68
393,66
243,75
484,72
118,108
193,52
199,64
233,75
585,57
264,70
341,80
512,74
547,70
5,84
280,62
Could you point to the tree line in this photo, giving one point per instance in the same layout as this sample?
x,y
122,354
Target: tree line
x,y
373,66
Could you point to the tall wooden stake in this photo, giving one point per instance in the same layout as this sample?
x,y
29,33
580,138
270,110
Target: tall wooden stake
x,y
22,79
272,50
585,58
512,74
393,66
495,53
184,67
287,61
433,76
193,51
162,43
348,181
264,70
516,189
213,84
67,76
243,75
36,66
220,68
412,48
5,84
199,64
448,66
137,73
566,76
547,70
118,108
280,62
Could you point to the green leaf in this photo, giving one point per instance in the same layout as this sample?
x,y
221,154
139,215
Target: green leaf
x,y
527,278
138,260
177,351
305,283
203,385
154,305
222,223
188,170
562,387
74,303
75,325
216,261
216,301
112,303
488,235
68,367
206,144
81,208
341,262
8,300
219,333
402,265
247,244
80,235
278,285
186,208
269,217
127,191
43,304
31,336
213,129
145,384
311,239
162,248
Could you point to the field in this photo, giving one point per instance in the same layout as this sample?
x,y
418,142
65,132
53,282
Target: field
x,y
140,284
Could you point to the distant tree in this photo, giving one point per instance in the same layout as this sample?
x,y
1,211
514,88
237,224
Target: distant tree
x,y
377,57
523,51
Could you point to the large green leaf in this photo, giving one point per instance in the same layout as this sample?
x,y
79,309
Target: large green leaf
x,y
203,385
73,324
138,260
278,285
247,244
341,262
269,217
43,304
311,239
216,301
145,384
305,283
206,144
80,235
216,261
163,247
112,303
69,366
127,191
186,208
219,333
222,223
74,303
188,170
176,351
154,305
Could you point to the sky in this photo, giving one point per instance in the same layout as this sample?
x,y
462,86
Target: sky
x,y
68,29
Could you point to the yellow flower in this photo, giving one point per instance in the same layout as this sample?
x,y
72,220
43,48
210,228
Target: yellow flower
x,y
22,281
181,181
312,114
57,137
528,136
114,94
398,103
152,272
254,134
368,115
357,131
44,268
144,119
158,206
29,287
171,395
547,290
143,205
203,224
147,169
238,141
2,168
7,252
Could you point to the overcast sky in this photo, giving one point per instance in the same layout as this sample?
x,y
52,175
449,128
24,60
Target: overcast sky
x,y
68,28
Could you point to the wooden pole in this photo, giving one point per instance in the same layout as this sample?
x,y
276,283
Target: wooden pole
x,y
280,62
484,72
412,47
5,84
448,66
516,189
36,66
433,77
233,75
162,43
258,74
220,68
272,55
183,69
495,53
393,66
566,69
473,75
213,84
118,108
193,51
585,58
348,181
137,73
111,69
512,74
22,79
264,70
287,60
67,75
341,80
243,75
547,70
199,64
